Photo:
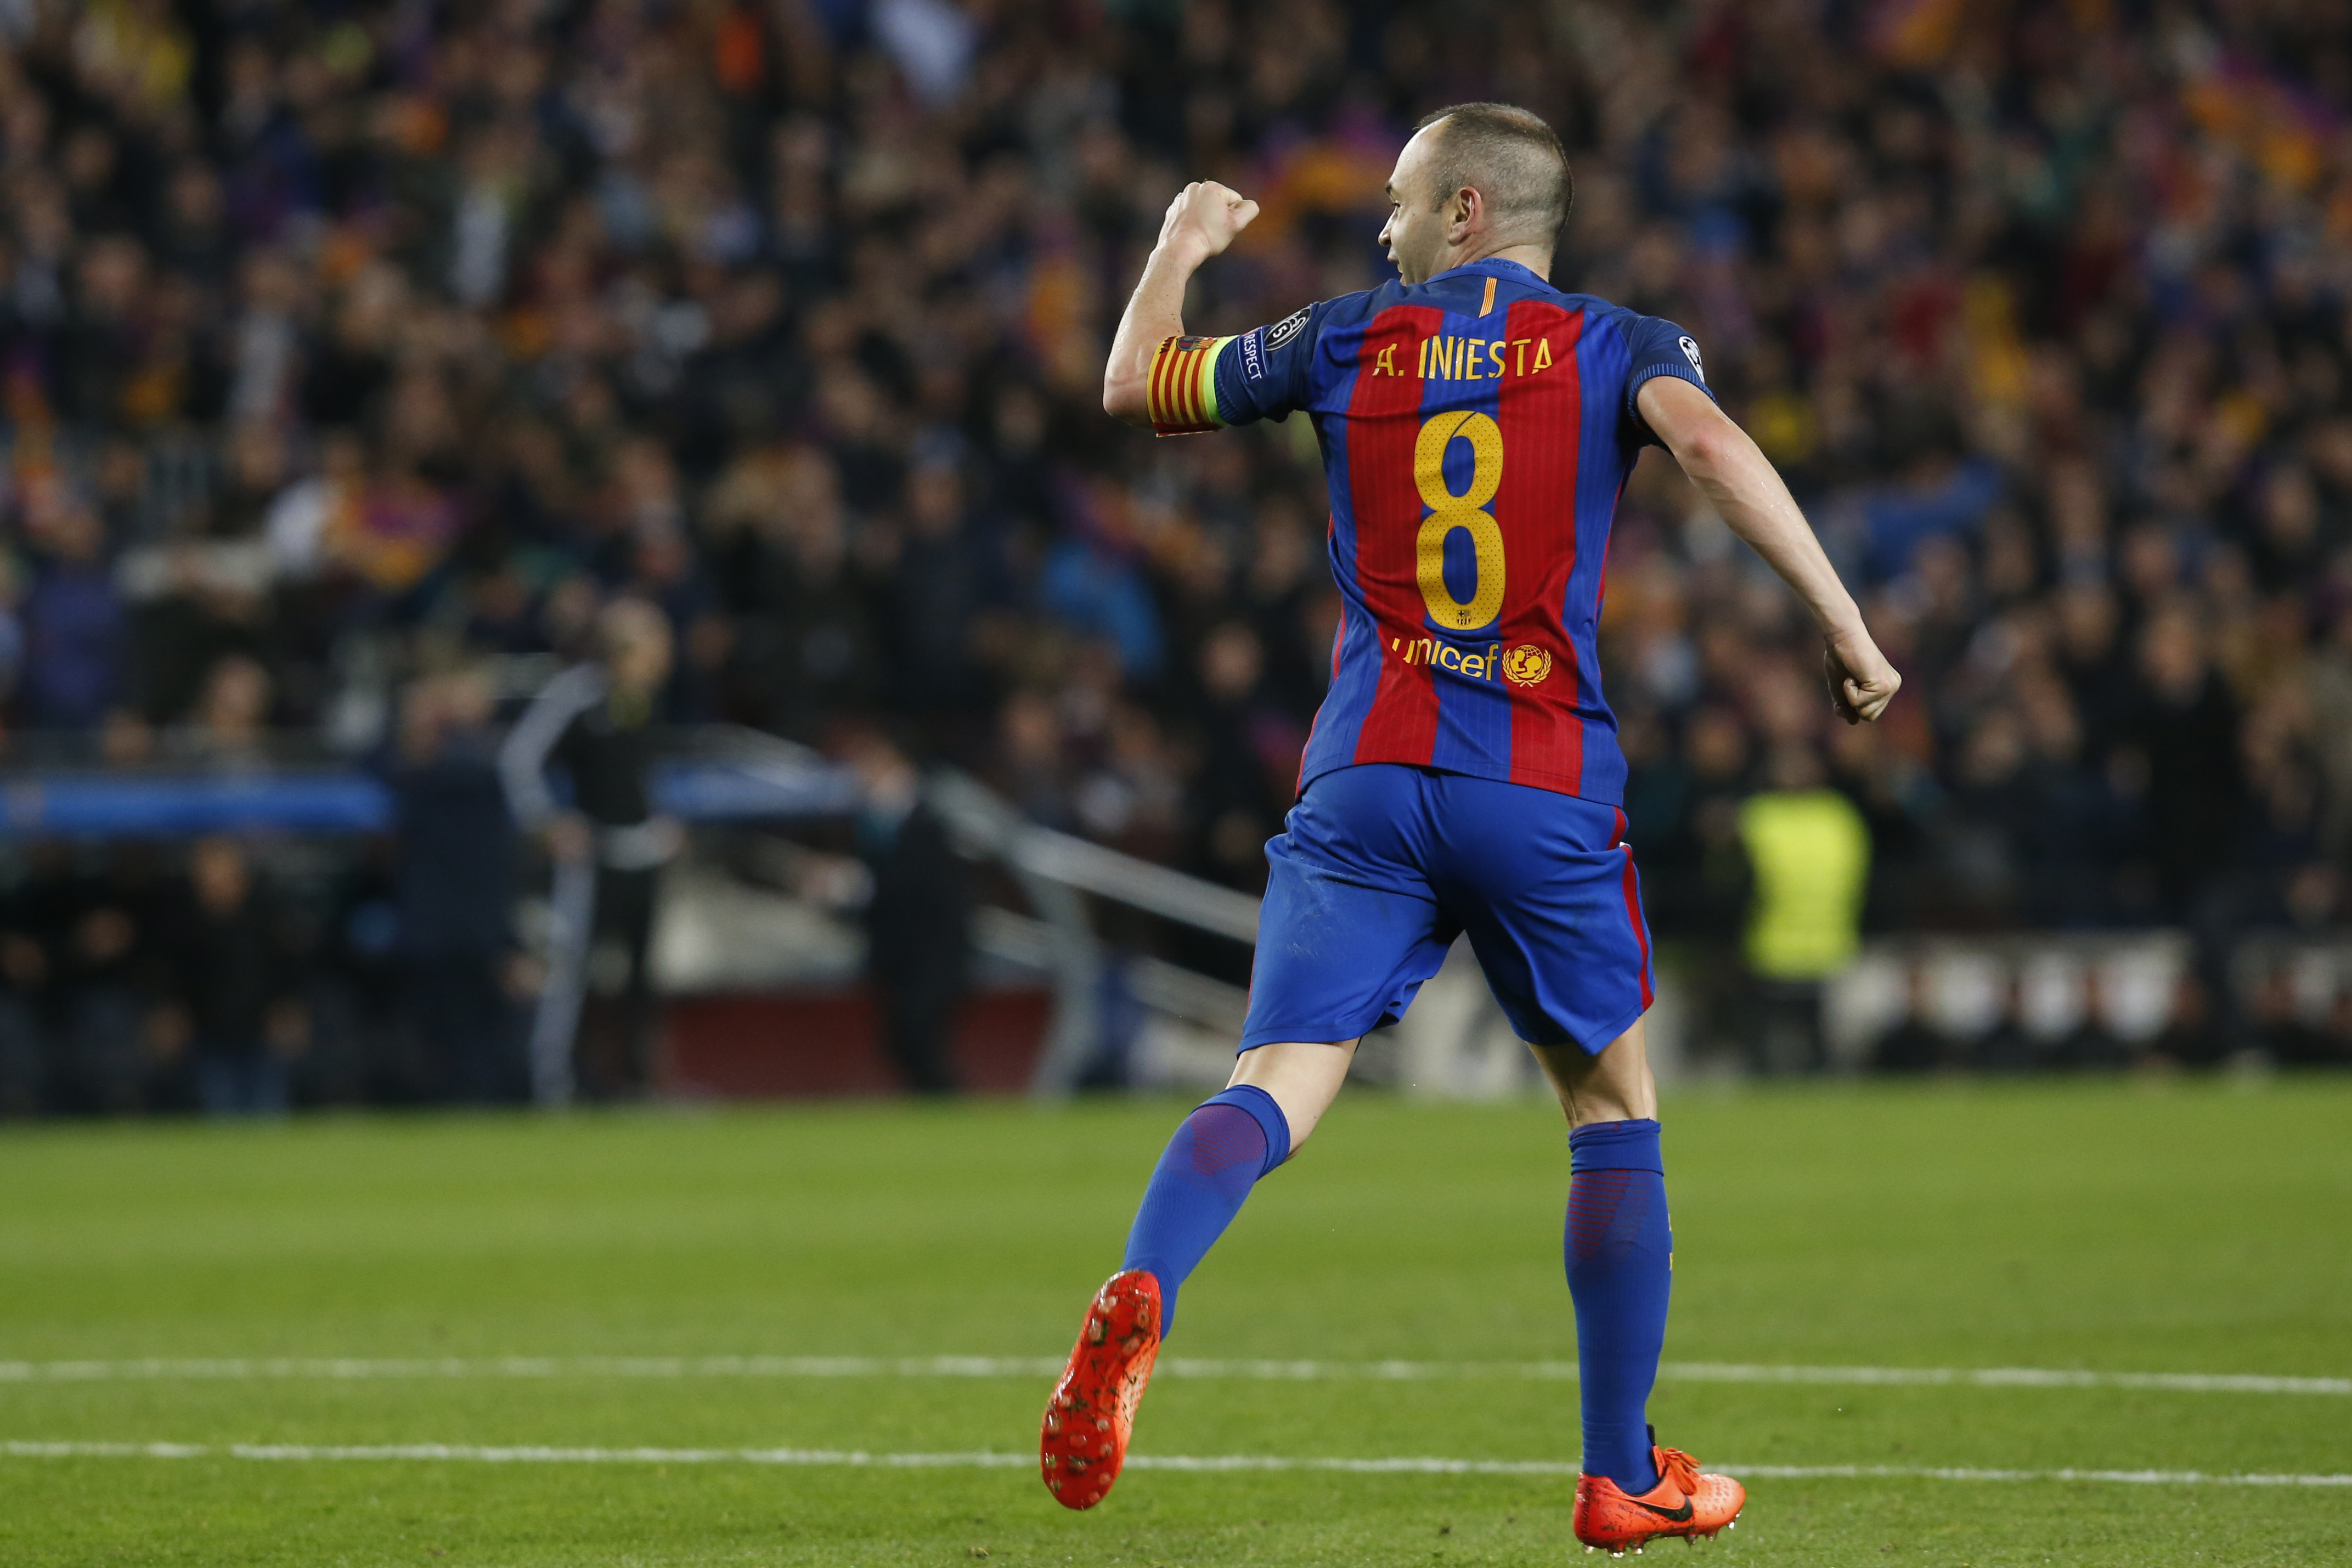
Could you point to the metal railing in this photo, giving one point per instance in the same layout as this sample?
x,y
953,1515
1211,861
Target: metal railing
x,y
1055,873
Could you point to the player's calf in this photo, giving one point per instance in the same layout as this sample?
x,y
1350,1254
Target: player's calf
x,y
1231,1141
1216,1156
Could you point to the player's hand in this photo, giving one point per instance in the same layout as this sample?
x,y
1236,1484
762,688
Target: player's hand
x,y
1204,217
1862,683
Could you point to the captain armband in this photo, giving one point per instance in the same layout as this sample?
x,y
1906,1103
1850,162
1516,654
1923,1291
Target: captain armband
x,y
1182,395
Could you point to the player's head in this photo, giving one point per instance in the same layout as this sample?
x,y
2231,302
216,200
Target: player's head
x,y
1476,179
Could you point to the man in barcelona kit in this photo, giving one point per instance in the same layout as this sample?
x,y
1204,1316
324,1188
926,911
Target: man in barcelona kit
x,y
1463,775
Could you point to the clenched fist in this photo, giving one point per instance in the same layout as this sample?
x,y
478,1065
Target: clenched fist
x,y
1861,682
1203,219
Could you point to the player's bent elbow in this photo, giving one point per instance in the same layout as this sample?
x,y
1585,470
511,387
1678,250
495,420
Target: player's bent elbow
x,y
1716,452
1703,450
1125,400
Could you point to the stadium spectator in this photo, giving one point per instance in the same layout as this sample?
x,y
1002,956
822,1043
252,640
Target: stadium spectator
x,y
29,933
74,628
77,950
109,957
453,889
1915,1044
917,913
234,1003
1809,850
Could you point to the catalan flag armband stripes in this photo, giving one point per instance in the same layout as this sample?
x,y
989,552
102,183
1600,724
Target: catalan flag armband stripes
x,y
1183,398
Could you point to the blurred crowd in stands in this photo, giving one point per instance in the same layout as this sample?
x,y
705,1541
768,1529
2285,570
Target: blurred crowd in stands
x,y
346,345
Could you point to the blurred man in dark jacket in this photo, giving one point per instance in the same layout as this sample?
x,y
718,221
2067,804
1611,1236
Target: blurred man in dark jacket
x,y
34,920
2185,726
453,889
918,919
109,967
2183,734
234,996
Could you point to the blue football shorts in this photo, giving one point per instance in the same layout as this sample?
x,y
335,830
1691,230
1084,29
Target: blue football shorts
x,y
1382,865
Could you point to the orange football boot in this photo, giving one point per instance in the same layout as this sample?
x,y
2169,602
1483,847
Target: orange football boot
x,y
1683,1503
1083,1442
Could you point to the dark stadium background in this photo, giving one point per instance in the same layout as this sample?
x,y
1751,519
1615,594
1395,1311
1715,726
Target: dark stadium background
x,y
351,356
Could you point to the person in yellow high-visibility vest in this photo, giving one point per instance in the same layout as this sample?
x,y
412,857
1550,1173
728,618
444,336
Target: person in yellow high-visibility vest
x,y
1808,854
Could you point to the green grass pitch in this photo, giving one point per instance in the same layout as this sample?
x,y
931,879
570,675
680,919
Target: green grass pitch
x,y
2119,1227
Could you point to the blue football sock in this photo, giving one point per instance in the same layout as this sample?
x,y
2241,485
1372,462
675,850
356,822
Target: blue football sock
x,y
1219,1154
1620,1266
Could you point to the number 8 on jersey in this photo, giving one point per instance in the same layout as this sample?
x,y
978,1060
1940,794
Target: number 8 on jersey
x,y
1448,512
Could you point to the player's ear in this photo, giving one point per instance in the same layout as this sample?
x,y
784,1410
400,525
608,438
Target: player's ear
x,y
1466,204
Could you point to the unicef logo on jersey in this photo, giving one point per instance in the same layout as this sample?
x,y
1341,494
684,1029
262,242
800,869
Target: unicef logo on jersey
x,y
1528,665
1690,352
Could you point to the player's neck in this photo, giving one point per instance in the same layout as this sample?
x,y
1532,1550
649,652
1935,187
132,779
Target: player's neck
x,y
1534,257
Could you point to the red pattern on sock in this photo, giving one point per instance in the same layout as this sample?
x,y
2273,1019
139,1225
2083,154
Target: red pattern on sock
x,y
1224,1137
1597,1214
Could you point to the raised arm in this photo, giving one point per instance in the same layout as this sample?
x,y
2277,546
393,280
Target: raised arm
x,y
1200,222
1745,488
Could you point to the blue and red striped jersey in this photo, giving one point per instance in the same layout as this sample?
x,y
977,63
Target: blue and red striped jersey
x,y
1477,430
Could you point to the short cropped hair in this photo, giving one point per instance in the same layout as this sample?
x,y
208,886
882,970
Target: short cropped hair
x,y
1512,158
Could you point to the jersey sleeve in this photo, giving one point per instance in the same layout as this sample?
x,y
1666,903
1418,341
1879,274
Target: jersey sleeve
x,y
1206,384
1269,371
1656,347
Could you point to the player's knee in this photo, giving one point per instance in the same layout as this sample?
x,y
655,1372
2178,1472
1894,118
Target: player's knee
x,y
1302,1078
1613,1086
1586,1107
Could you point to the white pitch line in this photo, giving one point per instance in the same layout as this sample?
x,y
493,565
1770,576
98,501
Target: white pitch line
x,y
465,1453
2008,1377
241,1368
